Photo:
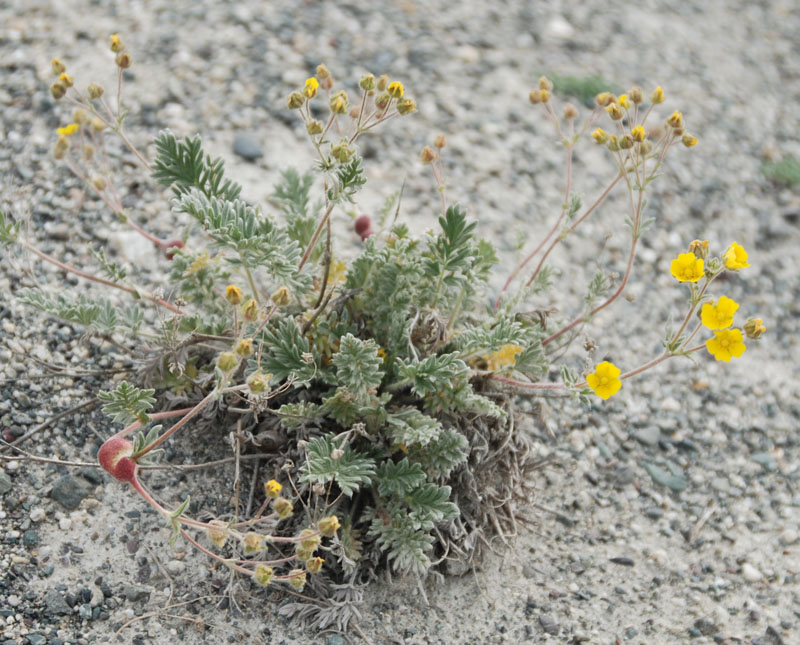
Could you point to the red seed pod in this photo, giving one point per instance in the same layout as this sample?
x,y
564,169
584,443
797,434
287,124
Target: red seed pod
x,y
169,248
115,458
366,234
362,224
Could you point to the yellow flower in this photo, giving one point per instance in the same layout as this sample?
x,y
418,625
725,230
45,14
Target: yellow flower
x,y
506,356
233,294
624,101
600,136
735,257
68,130
395,89
638,134
337,272
116,44
657,96
263,575
719,315
675,119
310,89
66,79
687,267
688,140
605,381
272,489
726,344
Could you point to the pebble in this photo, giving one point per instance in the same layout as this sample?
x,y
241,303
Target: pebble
x,y
750,573
648,436
5,482
70,491
548,624
65,524
37,514
245,145
788,537
175,567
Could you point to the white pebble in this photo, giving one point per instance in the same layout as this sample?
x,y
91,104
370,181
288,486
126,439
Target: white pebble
x,y
788,537
750,573
175,567
13,601
65,524
37,514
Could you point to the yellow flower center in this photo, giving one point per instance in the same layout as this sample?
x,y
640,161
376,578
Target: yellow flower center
x,y
603,380
725,342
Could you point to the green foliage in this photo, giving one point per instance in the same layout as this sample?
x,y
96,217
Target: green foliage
x,y
182,166
349,179
786,171
98,315
344,466
358,366
127,403
289,355
292,195
583,88
110,269
408,427
9,231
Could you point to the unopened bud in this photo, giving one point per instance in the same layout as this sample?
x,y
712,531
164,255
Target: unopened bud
x,y
227,362
657,96
570,112
337,454
600,136
613,143
217,534
244,347
604,99
383,81
58,90
95,91
250,310
325,78
638,133
646,147
440,142
754,328
310,88
354,112
283,507
615,111
253,543
66,79
88,151
281,296
61,147
675,120
233,294
80,116
428,155
626,142
116,44
123,60
382,100
624,102
700,249
263,575
297,579
258,383
314,565
314,127
688,140
99,183
328,525
58,67
309,540
295,101
98,125
545,83
342,152
339,102
636,95
535,97
406,106
367,82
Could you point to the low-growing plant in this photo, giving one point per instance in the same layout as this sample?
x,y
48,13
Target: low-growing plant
x,y
785,172
386,384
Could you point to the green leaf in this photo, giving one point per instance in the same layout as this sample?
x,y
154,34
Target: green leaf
x,y
127,403
294,415
406,546
350,471
429,504
8,230
287,354
182,166
411,427
358,365
399,478
433,373
442,455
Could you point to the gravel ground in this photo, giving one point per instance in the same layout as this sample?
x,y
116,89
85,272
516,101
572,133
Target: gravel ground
x,y
668,514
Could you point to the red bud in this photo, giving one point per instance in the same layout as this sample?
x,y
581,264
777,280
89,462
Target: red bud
x,y
169,248
115,458
363,224
366,234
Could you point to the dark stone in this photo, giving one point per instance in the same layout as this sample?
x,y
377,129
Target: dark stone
x,y
548,624
92,475
135,594
627,562
69,492
5,483
245,145
56,604
36,639
30,538
706,626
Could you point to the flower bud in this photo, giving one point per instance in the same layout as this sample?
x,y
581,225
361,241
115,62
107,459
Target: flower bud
x,y
688,140
613,143
81,117
281,296
253,543
570,112
535,97
258,383
123,60
337,454
116,44
700,249
227,362
244,347
217,533
406,106
427,155
657,96
99,183
95,91
283,507
310,88
66,79
314,565
383,81
354,112
600,136
544,95
615,111
646,147
88,151
297,578
328,525
61,147
636,95
309,540
272,489
361,224
626,142
367,82
382,100
342,152
58,90
57,66
440,142
624,102
295,101
98,125
545,83
604,99
754,328
115,458
250,310
338,102
638,133
263,575
233,294
395,89
675,120
325,78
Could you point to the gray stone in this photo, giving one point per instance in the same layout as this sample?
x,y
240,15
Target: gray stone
x,y
69,492
663,477
245,145
548,624
56,604
135,594
648,436
36,639
5,483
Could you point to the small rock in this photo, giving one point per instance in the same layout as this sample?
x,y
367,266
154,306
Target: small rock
x,y
654,512
788,537
750,573
245,146
13,600
37,639
56,604
37,514
624,561
30,538
706,626
336,639
648,436
135,594
69,492
662,477
5,483
671,404
175,567
65,524
765,459
548,624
